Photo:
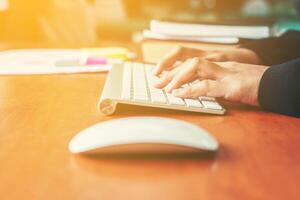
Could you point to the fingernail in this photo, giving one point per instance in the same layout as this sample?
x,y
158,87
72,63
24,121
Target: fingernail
x,y
168,89
154,71
158,83
158,86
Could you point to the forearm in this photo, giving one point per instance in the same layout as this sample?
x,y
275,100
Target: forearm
x,y
279,89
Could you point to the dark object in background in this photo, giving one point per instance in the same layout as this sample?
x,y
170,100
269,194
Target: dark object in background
x,y
280,86
210,11
297,6
149,9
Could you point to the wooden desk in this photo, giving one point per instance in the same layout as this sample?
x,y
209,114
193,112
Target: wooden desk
x,y
259,156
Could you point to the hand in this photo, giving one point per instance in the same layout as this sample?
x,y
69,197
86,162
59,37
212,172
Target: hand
x,y
230,80
181,54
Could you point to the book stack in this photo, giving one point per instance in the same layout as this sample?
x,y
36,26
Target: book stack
x,y
224,34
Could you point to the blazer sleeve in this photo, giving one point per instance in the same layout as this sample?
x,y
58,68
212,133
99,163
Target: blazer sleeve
x,y
279,89
274,51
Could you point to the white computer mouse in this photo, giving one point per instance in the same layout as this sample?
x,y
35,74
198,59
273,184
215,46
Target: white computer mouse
x,y
138,134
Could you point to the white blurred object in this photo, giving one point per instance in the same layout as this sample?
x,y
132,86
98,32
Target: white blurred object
x,y
257,8
111,136
4,5
147,34
43,61
203,30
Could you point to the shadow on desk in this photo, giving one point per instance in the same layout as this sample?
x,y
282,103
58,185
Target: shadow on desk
x,y
203,155
136,164
133,110
148,168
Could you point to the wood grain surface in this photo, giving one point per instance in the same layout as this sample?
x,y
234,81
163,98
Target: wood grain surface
x,y
259,156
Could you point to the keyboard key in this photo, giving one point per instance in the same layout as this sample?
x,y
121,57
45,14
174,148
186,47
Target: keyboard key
x,y
149,68
157,96
175,100
126,90
193,103
140,97
211,105
158,99
152,80
138,86
140,91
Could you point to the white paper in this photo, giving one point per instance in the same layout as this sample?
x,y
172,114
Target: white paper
x,y
222,40
43,61
194,30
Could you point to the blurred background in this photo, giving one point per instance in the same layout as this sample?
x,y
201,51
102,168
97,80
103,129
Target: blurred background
x,y
88,22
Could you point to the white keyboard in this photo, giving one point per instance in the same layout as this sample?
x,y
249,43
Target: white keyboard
x,y
137,88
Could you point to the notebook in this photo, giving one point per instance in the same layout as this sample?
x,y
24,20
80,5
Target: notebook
x,y
59,61
147,34
201,30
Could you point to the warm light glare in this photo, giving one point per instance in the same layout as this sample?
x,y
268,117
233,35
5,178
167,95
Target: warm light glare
x,y
4,4
85,22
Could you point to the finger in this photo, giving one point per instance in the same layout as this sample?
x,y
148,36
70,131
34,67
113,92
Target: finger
x,y
177,64
187,73
196,68
203,88
210,70
166,78
168,61
217,57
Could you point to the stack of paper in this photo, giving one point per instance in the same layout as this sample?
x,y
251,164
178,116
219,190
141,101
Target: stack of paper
x,y
59,61
224,40
227,34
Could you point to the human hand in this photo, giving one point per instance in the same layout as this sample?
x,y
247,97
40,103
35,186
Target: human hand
x,y
181,54
229,80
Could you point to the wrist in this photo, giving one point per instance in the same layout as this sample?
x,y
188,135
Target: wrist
x,y
256,79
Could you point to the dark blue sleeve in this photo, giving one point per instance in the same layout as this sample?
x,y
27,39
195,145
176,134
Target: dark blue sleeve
x,y
279,89
276,50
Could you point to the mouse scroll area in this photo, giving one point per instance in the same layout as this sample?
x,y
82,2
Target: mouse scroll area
x,y
142,135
